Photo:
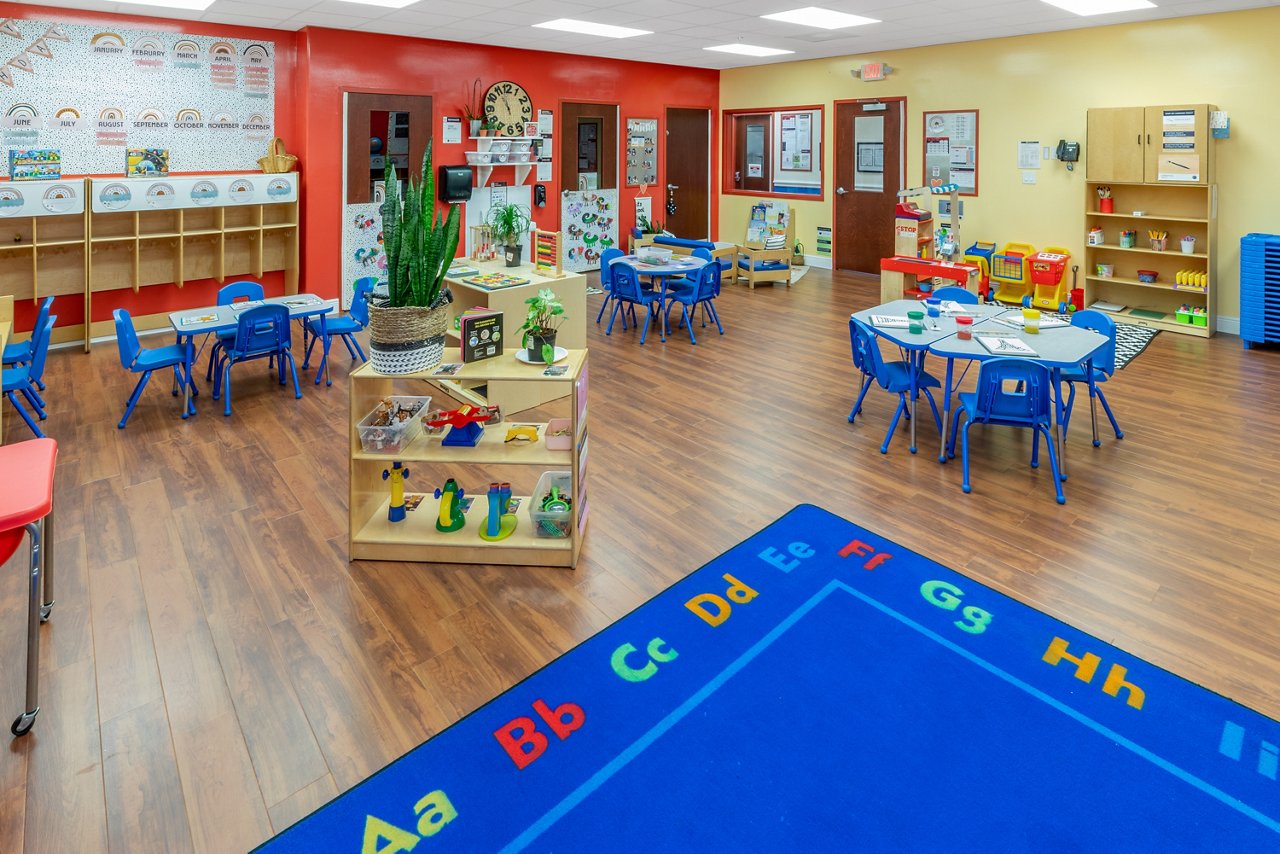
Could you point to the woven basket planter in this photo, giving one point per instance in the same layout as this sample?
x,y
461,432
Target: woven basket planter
x,y
408,339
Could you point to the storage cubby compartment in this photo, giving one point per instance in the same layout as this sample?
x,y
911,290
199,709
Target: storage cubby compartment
x,y
277,249
279,215
201,219
200,257
157,222
16,232
382,435
237,254
247,217
61,270
553,486
158,262
108,225
60,229
113,265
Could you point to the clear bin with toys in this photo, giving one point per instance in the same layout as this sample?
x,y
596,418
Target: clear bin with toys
x,y
551,505
392,424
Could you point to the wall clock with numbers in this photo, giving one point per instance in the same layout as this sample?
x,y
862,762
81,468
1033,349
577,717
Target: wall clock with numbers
x,y
507,107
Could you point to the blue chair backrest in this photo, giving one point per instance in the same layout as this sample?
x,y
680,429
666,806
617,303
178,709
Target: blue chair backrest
x,y
999,397
232,291
42,315
360,301
708,279
956,294
1090,318
626,283
126,338
42,349
866,353
606,268
703,253
262,329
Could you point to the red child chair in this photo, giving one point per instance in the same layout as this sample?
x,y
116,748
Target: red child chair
x,y
26,503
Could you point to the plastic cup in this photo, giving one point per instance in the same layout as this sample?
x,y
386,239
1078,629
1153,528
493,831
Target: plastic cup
x,y
964,327
1031,320
917,321
933,305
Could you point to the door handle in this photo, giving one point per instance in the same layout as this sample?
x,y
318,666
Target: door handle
x,y
673,186
841,191
737,177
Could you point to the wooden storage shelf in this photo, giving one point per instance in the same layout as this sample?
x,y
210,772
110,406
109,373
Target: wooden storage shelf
x,y
1196,207
374,537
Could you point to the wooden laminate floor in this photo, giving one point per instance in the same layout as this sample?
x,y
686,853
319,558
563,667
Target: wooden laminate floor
x,y
215,668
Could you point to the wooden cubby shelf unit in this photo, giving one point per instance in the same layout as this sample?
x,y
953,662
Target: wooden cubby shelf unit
x,y
430,463
1180,210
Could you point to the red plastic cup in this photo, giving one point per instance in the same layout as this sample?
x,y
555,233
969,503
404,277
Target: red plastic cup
x,y
964,327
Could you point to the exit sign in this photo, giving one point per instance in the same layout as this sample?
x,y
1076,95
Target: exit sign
x,y
874,71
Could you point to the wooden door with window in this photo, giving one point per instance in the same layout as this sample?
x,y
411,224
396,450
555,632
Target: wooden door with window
x,y
589,155
687,157
411,126
869,173
751,146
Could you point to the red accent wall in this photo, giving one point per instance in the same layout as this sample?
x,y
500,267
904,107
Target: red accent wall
x,y
315,66
334,61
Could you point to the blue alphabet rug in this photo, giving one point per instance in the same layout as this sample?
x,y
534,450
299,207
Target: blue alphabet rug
x,y
820,688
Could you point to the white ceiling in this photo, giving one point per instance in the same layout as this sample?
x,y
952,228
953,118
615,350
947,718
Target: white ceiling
x,y
681,28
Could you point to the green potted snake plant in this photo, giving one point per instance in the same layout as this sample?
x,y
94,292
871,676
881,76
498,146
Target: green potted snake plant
x,y
407,330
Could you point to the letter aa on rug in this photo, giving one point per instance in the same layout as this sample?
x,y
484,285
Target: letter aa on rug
x,y
821,688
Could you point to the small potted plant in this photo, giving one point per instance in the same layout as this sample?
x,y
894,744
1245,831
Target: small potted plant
x,y
538,334
472,110
509,223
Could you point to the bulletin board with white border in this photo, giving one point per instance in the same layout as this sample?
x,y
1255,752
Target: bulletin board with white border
x,y
951,149
93,93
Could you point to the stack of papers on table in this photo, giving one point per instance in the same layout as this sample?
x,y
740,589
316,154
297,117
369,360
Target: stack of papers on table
x,y
1005,346
1016,319
889,321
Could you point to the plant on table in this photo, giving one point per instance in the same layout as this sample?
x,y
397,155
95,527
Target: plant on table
x,y
472,110
540,324
509,223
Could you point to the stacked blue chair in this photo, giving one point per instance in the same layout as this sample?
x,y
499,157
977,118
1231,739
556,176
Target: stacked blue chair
x,y
345,327
263,332
1259,289
1014,393
23,379
1104,366
20,352
893,377
138,360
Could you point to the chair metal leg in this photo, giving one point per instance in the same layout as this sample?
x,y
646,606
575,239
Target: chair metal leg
x,y
603,306
225,370
293,370
46,566
897,416
26,416
857,406
1106,407
36,403
346,340
715,315
1058,477
306,353
355,342
687,321
1093,413
964,457
937,419
609,329
22,725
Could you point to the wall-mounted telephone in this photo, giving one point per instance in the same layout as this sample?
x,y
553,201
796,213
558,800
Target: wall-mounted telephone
x,y
1068,153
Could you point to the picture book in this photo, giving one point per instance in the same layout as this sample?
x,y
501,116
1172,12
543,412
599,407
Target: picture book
x,y
197,319
1015,318
888,321
461,272
1005,346
146,162
481,331
492,281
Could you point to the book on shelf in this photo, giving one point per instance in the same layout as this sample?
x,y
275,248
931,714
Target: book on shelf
x,y
481,331
1001,346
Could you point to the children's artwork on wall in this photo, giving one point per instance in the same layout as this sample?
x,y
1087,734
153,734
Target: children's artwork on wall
x,y
362,250
92,93
642,152
589,220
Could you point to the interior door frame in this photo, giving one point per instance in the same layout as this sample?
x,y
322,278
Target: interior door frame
x,y
619,177
392,93
835,161
663,180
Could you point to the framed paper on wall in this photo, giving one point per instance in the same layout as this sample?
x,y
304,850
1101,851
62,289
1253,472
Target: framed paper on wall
x,y
871,157
951,149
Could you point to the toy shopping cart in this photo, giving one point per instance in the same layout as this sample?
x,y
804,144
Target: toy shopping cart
x,y
1009,272
1048,272
979,255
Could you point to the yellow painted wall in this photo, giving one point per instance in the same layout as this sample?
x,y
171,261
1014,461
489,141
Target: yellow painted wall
x,y
1039,87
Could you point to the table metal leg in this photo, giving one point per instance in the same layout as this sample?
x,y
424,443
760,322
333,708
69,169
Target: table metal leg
x,y
915,392
188,408
325,342
946,412
1060,411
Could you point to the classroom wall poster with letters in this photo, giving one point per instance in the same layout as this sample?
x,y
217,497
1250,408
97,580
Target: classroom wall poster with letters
x,y
93,93
951,149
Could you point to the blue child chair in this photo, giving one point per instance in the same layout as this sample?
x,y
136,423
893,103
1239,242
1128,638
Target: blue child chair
x,y
22,379
229,294
893,377
262,332
607,258
345,327
1015,393
138,360
1104,366
690,292
20,352
628,294
956,294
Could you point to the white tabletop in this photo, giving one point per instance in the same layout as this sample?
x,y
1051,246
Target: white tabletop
x,y
195,321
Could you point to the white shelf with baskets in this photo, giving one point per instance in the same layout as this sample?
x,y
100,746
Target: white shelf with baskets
x,y
491,151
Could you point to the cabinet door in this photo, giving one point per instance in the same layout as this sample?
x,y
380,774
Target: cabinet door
x,y
1115,145
1177,144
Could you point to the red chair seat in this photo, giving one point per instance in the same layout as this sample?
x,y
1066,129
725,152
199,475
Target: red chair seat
x,y
26,470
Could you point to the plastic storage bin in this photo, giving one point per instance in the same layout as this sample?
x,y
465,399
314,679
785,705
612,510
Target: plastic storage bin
x,y
394,437
557,442
554,524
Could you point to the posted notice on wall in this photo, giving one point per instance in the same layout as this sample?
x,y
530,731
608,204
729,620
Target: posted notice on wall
x,y
546,123
1029,154
451,132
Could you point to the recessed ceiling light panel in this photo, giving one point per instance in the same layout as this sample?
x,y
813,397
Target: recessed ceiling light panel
x,y
813,16
589,28
197,5
1100,7
749,49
